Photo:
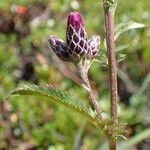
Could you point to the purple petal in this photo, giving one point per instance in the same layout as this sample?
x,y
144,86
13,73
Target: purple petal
x,y
75,20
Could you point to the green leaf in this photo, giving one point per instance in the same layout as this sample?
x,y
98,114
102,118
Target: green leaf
x,y
120,57
123,27
56,96
121,48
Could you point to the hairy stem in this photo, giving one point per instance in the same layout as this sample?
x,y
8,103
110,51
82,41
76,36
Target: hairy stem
x,y
109,22
109,9
83,70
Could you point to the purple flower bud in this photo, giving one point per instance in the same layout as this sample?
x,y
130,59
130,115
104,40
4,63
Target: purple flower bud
x,y
93,46
77,45
76,36
59,47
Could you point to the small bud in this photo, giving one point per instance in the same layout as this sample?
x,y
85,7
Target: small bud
x,y
59,47
93,46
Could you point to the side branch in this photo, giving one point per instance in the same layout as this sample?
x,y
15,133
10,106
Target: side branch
x,y
83,70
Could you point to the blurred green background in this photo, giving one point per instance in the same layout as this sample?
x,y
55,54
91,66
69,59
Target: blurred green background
x,y
25,56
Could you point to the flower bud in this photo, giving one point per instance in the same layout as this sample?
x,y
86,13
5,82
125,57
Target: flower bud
x,y
76,36
77,45
59,47
93,46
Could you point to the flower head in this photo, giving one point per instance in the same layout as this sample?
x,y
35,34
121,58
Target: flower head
x,y
77,45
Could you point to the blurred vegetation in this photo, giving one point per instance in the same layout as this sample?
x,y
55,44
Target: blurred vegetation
x,y
25,56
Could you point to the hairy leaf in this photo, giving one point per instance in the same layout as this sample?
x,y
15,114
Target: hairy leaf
x,y
123,27
56,96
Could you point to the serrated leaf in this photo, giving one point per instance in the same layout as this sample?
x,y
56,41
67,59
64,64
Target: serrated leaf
x,y
123,27
56,96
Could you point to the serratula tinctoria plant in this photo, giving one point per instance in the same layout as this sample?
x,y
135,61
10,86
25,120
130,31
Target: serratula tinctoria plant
x,y
81,51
